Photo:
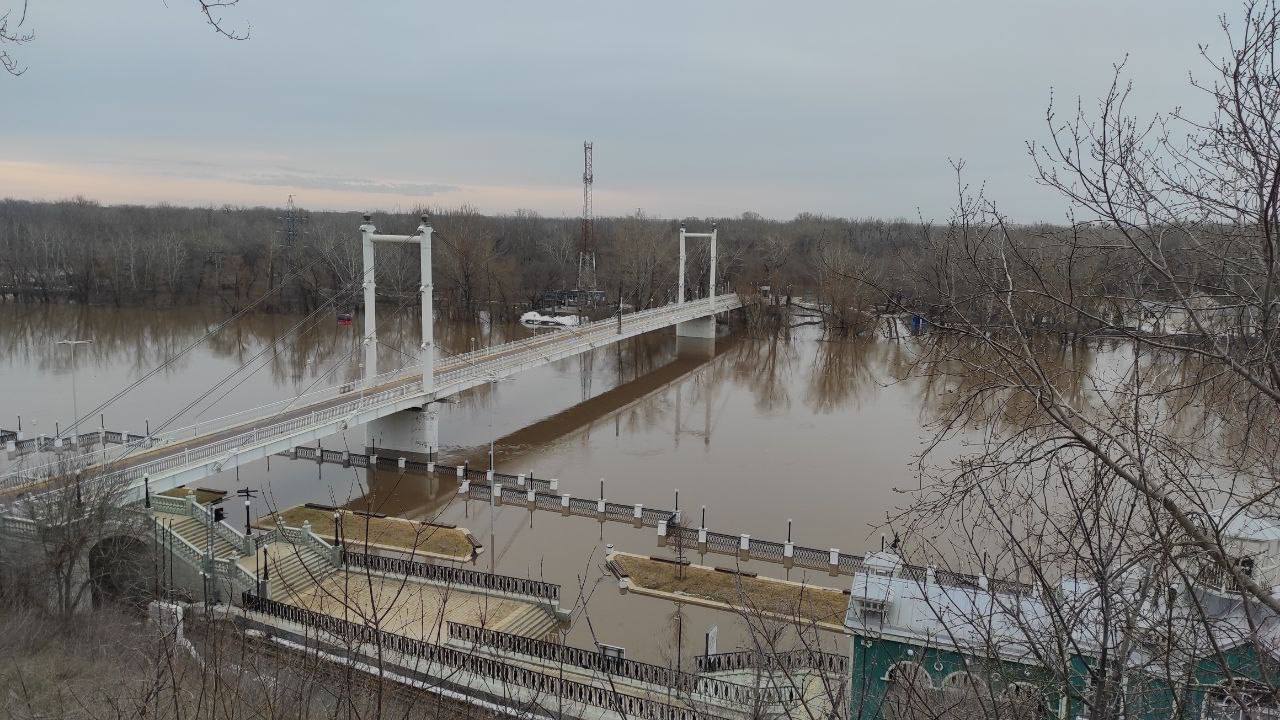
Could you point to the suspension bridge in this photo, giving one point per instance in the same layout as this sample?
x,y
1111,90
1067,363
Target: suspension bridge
x,y
397,407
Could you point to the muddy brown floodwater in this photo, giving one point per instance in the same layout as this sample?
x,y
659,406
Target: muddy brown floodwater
x,y
759,431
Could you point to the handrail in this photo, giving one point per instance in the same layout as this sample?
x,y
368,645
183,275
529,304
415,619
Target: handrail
x,y
173,434
168,504
265,538
235,442
232,536
186,548
304,537
230,570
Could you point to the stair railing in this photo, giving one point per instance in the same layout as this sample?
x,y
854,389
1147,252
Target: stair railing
x,y
304,537
233,537
238,578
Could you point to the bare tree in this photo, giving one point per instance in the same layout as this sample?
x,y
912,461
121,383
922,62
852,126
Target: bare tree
x,y
13,34
1114,480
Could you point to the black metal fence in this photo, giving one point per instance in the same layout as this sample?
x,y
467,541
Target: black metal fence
x,y
469,662
721,690
788,661
453,575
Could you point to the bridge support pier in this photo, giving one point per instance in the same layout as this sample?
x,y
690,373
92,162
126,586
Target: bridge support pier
x,y
412,433
703,327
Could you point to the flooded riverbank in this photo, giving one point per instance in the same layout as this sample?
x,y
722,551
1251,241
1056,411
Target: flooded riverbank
x,y
757,430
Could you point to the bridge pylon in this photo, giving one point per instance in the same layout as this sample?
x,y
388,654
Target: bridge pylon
x,y
412,432
703,327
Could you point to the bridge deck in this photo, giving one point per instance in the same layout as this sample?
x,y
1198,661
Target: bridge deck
x,y
334,409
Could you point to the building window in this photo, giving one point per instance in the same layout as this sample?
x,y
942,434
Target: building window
x,y
966,695
1241,700
1022,701
909,693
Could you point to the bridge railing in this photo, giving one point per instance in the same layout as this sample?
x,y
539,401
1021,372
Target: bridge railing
x,y
256,435
269,410
501,359
18,528
127,443
454,660
131,443
546,338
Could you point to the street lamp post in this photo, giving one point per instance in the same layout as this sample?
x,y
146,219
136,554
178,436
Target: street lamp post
x,y
493,391
493,548
248,495
75,407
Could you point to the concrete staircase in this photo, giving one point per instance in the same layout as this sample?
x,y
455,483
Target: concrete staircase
x,y
530,621
295,569
196,533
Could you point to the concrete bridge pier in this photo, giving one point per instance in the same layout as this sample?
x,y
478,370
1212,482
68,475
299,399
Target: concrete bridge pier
x,y
412,434
703,327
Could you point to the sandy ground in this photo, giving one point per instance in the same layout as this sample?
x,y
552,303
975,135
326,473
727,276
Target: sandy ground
x,y
780,597
390,532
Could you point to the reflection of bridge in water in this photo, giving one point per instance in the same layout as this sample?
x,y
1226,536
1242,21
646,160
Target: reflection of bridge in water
x,y
391,494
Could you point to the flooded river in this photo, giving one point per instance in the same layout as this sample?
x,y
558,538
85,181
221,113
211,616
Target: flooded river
x,y
759,431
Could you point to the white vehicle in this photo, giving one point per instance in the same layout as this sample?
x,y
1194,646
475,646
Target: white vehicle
x,y
534,317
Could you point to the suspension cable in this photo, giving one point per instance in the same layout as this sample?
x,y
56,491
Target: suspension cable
x,y
173,358
351,287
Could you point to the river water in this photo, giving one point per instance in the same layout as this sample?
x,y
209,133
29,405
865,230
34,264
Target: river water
x,y
759,431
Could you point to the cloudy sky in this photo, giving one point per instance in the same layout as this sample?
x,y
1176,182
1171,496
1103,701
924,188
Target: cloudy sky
x,y
696,108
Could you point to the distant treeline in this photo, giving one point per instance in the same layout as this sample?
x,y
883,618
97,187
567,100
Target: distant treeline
x,y
132,255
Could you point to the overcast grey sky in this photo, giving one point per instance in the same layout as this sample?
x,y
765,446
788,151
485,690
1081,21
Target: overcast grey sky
x,y
695,108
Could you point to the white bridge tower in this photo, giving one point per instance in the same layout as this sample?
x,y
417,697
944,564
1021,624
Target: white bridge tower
x,y
703,327
416,431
